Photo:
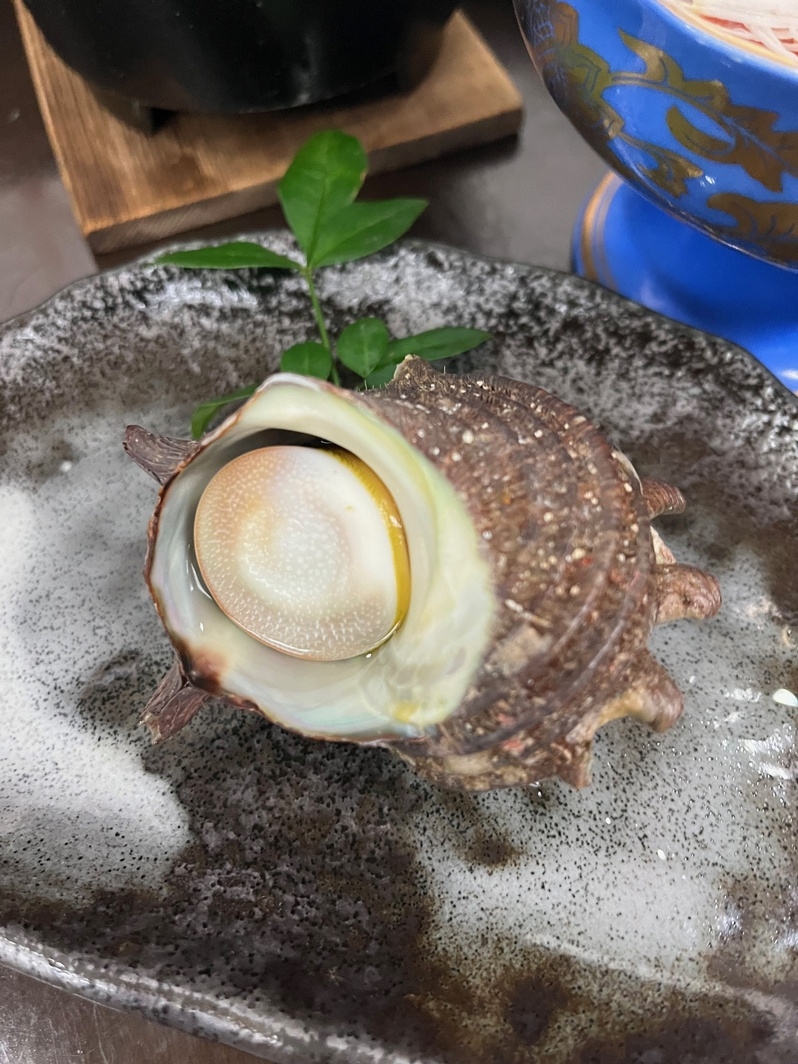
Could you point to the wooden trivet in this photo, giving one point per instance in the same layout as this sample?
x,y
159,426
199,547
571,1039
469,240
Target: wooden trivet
x,y
129,187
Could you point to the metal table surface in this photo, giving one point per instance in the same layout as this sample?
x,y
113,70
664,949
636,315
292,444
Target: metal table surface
x,y
516,199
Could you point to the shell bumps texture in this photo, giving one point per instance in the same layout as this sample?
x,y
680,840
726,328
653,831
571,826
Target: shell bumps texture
x,y
580,579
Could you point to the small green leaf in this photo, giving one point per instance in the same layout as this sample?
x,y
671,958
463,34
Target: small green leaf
x,y
235,256
205,411
325,176
381,376
363,345
437,343
311,359
363,228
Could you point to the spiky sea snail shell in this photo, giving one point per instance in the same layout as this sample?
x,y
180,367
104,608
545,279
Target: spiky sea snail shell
x,y
534,574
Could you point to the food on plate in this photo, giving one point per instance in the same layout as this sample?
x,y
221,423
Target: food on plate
x,y
461,569
770,24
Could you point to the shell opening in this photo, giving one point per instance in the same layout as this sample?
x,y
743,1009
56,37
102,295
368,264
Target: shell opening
x,y
304,549
414,679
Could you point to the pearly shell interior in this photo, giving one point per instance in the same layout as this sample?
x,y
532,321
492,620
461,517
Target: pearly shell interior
x,y
411,681
303,548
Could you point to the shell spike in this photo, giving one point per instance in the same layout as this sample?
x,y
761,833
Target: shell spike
x,y
160,456
173,704
685,592
661,498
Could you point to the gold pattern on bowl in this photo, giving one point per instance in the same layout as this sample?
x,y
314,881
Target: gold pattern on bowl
x,y
740,135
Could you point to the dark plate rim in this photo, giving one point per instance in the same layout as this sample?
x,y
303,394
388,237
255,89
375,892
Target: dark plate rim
x,y
150,259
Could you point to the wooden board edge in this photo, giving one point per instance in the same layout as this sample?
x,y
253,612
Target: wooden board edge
x,y
31,36
515,101
483,131
150,228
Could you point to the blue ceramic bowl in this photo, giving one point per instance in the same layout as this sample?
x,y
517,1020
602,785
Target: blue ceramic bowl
x,y
702,123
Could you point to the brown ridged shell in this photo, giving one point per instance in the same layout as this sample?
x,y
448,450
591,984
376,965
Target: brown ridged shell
x,y
580,578
566,522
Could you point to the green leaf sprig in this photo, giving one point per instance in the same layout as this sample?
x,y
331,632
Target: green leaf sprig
x,y
318,195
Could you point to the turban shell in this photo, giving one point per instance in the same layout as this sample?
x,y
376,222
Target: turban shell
x,y
509,544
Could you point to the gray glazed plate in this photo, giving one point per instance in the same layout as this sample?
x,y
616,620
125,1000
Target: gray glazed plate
x,y
318,903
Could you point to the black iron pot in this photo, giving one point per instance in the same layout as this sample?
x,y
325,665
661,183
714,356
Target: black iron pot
x,y
242,55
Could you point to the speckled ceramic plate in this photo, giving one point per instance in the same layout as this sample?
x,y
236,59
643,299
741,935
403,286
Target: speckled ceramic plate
x,y
312,902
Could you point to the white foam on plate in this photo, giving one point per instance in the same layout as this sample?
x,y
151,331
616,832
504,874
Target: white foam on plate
x,y
77,807
676,846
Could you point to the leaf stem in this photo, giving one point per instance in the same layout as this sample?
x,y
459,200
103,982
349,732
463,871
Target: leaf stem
x,y
307,273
